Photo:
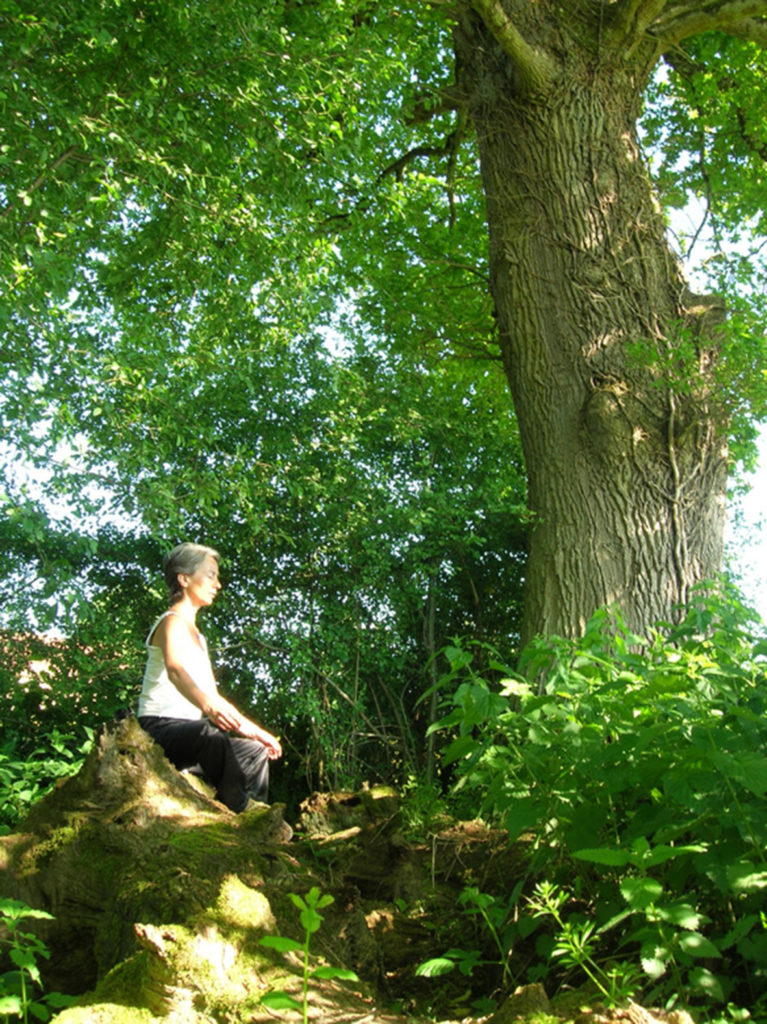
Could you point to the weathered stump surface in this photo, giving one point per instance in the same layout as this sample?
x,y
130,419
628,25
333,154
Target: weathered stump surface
x,y
160,896
126,840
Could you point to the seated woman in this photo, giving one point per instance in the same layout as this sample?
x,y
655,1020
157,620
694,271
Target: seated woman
x,y
180,706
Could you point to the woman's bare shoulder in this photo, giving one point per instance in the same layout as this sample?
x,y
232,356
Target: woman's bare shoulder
x,y
175,629
169,625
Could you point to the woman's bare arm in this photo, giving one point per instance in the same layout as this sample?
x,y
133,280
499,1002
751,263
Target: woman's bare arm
x,y
176,640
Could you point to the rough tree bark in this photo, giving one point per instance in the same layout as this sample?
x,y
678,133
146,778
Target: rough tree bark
x,y
608,355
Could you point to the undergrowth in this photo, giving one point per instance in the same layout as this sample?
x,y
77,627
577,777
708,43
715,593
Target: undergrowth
x,y
635,769
26,779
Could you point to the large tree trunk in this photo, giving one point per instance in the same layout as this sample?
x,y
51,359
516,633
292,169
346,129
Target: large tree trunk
x,y
604,347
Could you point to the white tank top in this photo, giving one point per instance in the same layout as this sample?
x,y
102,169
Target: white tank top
x,y
158,694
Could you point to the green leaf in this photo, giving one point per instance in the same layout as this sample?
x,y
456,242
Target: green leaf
x,y
604,855
15,910
459,749
749,769
328,973
297,901
684,915
25,959
640,893
695,944
741,928
58,1000
280,943
661,854
521,814
704,982
654,960
311,921
458,657
435,968
279,1001
745,877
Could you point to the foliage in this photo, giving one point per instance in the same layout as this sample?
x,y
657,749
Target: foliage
x,y
336,549
16,986
704,127
423,806
347,491
25,779
379,515
635,770
311,921
496,913
246,301
199,201
575,946
141,173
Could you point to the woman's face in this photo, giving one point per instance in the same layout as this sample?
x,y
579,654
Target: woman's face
x,y
203,585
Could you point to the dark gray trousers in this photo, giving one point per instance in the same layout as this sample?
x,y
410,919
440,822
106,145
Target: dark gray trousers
x,y
236,767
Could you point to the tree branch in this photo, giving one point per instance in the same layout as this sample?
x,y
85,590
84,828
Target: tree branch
x,y
682,20
398,166
536,68
752,30
631,19
422,111
41,179
671,21
452,142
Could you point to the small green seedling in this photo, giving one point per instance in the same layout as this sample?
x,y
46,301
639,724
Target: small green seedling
x,y
16,986
495,914
311,919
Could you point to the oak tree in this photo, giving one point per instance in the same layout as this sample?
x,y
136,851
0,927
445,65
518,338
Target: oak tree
x,y
182,181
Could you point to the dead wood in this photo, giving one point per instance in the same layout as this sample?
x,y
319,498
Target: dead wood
x,y
160,896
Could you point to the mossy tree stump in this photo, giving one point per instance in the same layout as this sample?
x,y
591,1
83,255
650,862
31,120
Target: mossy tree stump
x,y
160,894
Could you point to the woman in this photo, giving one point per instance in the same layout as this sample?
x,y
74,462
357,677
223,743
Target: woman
x,y
180,706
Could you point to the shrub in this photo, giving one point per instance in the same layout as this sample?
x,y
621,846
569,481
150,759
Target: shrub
x,y
24,780
637,768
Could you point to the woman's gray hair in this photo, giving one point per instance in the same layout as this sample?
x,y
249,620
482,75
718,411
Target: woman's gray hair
x,y
186,558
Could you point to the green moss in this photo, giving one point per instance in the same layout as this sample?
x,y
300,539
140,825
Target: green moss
x,y
124,983
105,1013
201,839
198,971
45,849
180,874
243,907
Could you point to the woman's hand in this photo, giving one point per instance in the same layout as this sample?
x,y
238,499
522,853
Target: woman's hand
x,y
223,714
251,731
272,744
226,716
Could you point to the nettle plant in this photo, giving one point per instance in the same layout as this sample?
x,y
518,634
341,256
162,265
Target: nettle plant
x,y
19,999
637,769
